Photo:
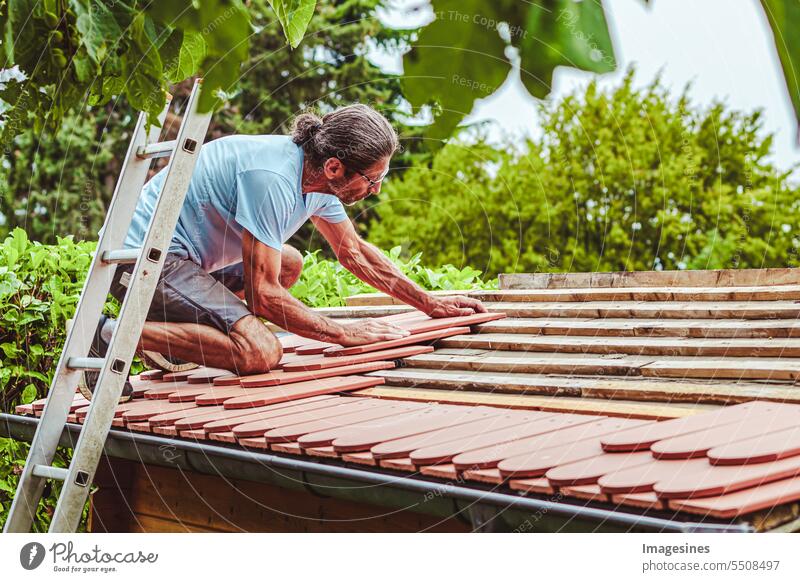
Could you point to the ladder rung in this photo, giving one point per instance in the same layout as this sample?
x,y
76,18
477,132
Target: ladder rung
x,y
156,150
85,363
121,256
50,472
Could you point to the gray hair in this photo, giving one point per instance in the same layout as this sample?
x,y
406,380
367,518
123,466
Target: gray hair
x,y
357,135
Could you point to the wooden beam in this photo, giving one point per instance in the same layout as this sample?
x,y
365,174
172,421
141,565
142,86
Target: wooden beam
x,y
734,368
639,389
604,309
709,278
708,328
509,361
364,299
626,409
652,346
760,293
609,365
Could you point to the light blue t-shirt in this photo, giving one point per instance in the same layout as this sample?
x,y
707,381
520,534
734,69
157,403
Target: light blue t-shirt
x,y
240,182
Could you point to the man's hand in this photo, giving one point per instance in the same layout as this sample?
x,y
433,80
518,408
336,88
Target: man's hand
x,y
455,306
369,331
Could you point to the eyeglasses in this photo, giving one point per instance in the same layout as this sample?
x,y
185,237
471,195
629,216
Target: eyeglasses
x,y
373,183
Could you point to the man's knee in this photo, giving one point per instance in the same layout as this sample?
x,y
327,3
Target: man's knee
x,y
291,266
257,350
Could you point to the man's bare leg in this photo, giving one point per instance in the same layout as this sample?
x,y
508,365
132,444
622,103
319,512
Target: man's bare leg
x,y
249,349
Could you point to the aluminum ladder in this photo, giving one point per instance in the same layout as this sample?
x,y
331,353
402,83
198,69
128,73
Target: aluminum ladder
x,y
114,368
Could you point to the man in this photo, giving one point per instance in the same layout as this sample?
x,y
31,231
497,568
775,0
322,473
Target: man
x,y
247,196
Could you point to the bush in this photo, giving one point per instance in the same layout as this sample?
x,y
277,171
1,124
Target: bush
x,y
620,180
325,283
39,290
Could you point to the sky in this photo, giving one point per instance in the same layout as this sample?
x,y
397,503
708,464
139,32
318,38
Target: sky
x,y
722,47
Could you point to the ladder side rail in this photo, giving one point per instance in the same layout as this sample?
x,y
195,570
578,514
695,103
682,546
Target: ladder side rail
x,y
135,306
93,296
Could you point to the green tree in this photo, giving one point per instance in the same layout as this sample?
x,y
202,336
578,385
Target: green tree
x,y
620,180
58,183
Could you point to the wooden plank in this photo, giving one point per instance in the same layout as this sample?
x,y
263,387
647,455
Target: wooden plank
x,y
361,312
217,416
180,376
510,361
375,410
419,338
642,478
150,375
362,438
773,446
78,401
403,447
732,368
206,375
220,395
238,417
700,328
647,500
563,439
300,390
699,443
445,452
490,476
534,462
713,480
373,299
314,348
170,418
281,377
588,471
654,411
651,346
441,471
653,309
334,362
536,485
699,278
612,309
144,409
642,438
623,388
81,413
750,293
724,368
742,502
308,429
587,492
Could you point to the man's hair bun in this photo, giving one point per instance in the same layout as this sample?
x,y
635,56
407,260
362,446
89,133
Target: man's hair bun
x,y
305,127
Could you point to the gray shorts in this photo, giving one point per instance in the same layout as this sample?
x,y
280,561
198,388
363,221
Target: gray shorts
x,y
185,293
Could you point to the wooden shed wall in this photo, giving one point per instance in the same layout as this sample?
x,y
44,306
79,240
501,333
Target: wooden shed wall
x,y
134,497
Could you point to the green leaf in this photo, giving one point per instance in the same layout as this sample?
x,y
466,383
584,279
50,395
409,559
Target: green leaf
x,y
461,56
182,54
456,60
97,26
563,33
294,16
29,394
784,19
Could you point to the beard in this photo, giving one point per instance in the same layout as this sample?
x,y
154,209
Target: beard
x,y
339,189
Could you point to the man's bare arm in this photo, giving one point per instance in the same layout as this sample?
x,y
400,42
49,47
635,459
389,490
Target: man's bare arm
x,y
370,265
268,299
